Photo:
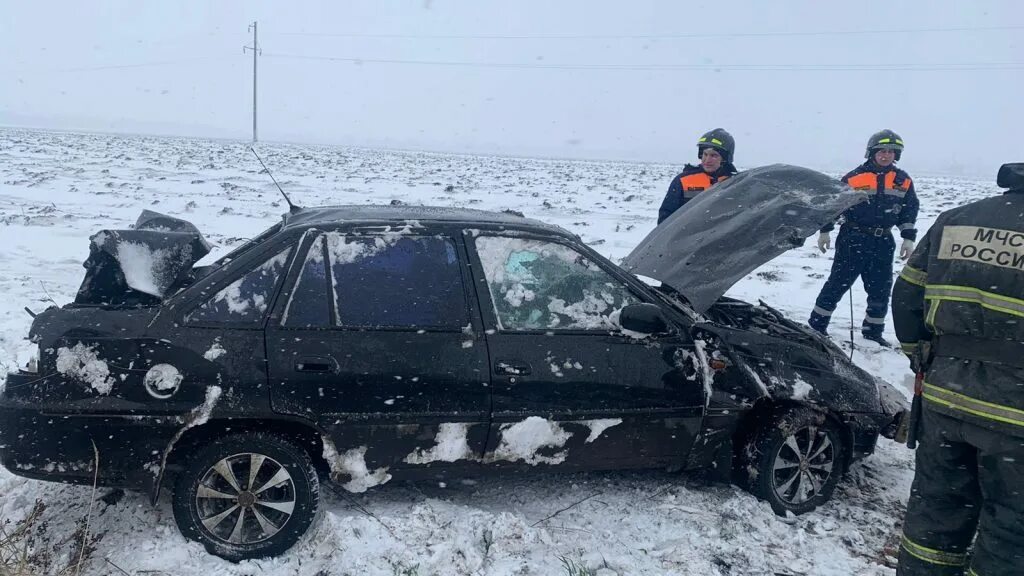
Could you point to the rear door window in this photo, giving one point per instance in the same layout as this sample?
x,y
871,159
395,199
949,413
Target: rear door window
x,y
396,280
245,300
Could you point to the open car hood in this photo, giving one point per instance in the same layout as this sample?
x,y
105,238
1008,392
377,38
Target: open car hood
x,y
143,264
725,233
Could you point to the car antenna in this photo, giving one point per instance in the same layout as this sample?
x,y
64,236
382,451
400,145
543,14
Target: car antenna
x,y
291,207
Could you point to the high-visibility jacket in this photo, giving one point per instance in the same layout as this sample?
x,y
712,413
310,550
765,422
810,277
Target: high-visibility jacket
x,y
893,204
962,293
691,181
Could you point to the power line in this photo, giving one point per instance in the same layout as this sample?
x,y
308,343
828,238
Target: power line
x,y
915,67
781,67
141,65
656,36
118,66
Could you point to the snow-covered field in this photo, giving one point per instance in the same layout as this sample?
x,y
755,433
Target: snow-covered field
x,y
58,189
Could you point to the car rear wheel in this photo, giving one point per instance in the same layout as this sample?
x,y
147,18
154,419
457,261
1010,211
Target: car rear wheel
x,y
797,459
247,496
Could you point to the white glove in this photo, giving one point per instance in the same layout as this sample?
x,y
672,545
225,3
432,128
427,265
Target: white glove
x,y
824,242
906,249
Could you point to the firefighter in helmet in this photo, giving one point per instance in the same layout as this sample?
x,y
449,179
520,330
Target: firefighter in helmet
x,y
715,151
958,310
865,246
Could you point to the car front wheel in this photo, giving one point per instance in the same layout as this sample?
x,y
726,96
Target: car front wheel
x,y
798,458
247,496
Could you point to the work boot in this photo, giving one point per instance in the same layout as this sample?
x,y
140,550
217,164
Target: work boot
x,y
819,322
879,339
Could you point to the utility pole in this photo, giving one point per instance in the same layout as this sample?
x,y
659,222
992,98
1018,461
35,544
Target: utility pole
x,y
255,50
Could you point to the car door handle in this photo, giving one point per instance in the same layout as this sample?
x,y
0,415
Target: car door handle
x,y
316,364
512,368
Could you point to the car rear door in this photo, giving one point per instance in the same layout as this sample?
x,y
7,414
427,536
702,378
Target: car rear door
x,y
375,339
570,388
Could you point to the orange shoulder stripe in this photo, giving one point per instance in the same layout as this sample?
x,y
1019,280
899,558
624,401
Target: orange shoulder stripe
x,y
890,182
697,181
863,181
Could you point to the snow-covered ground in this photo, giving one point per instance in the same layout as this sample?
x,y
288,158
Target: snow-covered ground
x,y
58,189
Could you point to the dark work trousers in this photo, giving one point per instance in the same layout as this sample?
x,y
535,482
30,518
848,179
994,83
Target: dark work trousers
x,y
967,479
869,257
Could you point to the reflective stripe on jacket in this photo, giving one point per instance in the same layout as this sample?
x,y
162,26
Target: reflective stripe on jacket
x,y
957,403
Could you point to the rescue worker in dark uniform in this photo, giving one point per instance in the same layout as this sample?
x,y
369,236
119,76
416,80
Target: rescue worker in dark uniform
x,y
715,151
864,246
958,309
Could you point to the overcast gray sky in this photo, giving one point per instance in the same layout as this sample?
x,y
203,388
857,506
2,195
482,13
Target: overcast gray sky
x,y
797,82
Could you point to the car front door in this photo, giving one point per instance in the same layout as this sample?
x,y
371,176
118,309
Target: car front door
x,y
375,339
571,389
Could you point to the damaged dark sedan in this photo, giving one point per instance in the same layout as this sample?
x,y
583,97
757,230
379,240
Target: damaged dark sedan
x,y
364,344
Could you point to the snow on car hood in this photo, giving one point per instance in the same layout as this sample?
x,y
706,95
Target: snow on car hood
x,y
149,259
725,233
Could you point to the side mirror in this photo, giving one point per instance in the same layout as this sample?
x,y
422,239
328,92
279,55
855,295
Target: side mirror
x,y
644,318
1011,175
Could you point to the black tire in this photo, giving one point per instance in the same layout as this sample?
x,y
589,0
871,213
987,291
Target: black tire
x,y
795,460
286,502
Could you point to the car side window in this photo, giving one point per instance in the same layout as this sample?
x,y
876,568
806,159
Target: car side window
x,y
245,300
307,306
541,285
396,280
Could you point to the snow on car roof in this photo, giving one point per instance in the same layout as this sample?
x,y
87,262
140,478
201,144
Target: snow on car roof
x,y
371,213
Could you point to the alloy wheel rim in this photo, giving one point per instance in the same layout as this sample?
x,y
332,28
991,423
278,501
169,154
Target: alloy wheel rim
x,y
803,465
245,498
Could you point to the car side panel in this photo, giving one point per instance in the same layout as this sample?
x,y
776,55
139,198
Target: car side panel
x,y
623,404
590,399
387,398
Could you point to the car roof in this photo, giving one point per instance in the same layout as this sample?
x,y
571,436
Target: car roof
x,y
359,214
